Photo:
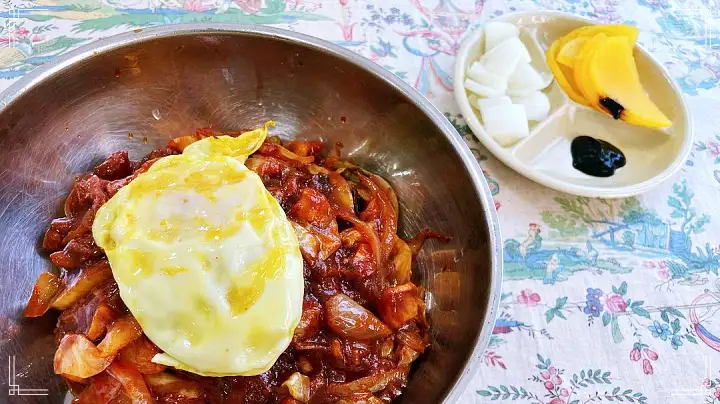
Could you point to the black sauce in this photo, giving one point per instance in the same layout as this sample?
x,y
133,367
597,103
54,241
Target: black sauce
x,y
613,107
596,157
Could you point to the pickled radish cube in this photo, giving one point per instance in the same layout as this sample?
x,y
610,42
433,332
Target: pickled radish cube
x,y
477,72
497,32
537,105
504,58
524,80
484,104
481,90
506,123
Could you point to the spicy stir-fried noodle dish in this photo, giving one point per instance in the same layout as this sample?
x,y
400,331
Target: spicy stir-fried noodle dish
x,y
230,267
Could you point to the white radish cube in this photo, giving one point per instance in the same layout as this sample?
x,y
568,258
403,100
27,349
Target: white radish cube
x,y
536,104
481,90
481,75
524,80
506,123
496,32
484,104
504,58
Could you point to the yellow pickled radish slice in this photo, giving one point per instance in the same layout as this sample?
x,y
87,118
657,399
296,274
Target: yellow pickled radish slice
x,y
570,51
613,75
564,74
581,70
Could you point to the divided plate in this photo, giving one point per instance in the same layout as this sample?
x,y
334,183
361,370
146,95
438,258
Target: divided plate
x,y
544,157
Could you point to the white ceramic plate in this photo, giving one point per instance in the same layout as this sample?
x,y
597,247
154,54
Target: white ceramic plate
x,y
544,157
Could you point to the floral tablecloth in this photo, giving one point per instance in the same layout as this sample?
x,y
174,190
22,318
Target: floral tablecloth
x,y
603,300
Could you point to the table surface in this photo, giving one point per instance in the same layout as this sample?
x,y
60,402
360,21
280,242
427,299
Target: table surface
x,y
603,300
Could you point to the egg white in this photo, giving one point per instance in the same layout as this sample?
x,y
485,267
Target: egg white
x,y
205,259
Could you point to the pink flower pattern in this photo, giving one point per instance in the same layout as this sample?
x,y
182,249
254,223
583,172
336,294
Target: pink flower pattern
x,y
17,33
251,6
528,298
194,5
555,389
647,367
714,148
615,303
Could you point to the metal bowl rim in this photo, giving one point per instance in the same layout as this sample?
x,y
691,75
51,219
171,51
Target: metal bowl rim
x,y
83,53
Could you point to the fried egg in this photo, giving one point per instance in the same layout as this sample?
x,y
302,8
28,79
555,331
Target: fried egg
x,y
205,259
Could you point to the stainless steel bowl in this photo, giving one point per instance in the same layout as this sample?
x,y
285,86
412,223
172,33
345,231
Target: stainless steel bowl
x,y
158,83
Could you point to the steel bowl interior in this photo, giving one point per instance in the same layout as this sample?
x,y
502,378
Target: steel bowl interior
x,y
67,116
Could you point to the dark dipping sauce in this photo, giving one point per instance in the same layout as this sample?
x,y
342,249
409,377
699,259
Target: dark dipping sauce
x,y
596,157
